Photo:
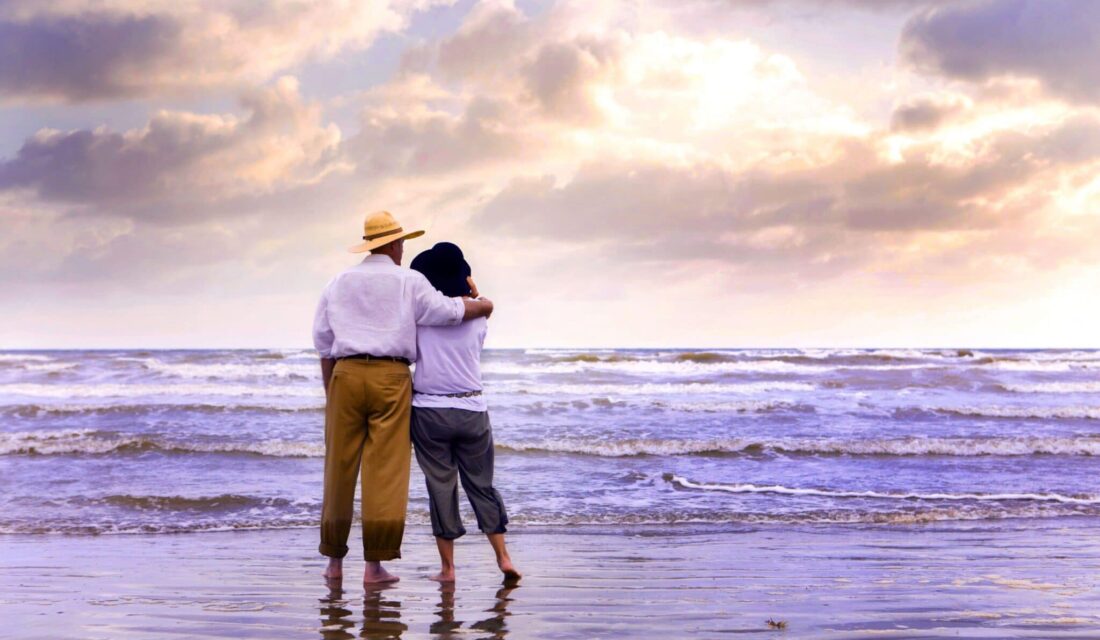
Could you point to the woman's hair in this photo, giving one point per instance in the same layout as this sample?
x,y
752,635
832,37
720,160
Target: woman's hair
x,y
445,267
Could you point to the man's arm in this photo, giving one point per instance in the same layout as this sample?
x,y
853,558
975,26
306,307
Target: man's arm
x,y
481,308
327,365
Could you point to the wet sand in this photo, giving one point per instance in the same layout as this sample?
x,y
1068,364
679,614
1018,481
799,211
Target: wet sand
x,y
981,580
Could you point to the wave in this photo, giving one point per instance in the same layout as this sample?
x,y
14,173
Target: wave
x,y
1050,366
24,357
91,442
650,388
962,447
50,367
300,516
182,503
744,406
233,371
118,390
44,410
1053,387
880,495
633,366
1048,413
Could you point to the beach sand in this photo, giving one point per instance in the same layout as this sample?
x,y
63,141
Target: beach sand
x,y
984,580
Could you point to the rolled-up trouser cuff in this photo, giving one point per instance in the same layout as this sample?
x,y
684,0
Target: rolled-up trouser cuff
x,y
332,550
449,535
498,529
381,555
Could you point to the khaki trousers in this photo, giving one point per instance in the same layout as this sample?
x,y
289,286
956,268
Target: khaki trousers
x,y
367,425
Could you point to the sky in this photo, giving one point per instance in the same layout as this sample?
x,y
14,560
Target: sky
x,y
668,173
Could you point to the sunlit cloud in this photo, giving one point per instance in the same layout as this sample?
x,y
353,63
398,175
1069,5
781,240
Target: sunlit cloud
x,y
619,148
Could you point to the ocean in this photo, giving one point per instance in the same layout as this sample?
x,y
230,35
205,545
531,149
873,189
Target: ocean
x,y
158,442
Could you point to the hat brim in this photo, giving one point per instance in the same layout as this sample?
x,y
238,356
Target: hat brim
x,y
369,245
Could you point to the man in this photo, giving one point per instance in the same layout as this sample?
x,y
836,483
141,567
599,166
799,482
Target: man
x,y
365,333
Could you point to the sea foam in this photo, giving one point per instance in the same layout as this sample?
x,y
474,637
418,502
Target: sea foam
x,y
880,495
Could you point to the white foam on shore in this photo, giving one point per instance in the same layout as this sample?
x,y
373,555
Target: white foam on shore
x,y
882,495
293,518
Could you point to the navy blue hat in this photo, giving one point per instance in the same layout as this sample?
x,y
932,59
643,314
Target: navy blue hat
x,y
445,267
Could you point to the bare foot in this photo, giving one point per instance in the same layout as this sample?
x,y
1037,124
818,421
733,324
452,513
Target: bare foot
x,y
375,574
446,575
335,569
509,571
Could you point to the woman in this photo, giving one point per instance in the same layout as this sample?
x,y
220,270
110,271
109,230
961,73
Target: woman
x,y
450,419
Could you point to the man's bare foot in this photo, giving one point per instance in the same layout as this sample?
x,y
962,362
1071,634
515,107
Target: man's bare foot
x,y
509,571
375,574
446,575
335,569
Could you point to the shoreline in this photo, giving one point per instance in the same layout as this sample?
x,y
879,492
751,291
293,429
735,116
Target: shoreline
x,y
991,579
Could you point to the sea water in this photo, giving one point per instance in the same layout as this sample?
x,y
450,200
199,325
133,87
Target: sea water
x,y
120,442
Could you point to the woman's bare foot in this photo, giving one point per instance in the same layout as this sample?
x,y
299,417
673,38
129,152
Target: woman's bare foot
x,y
509,570
446,559
335,569
375,574
504,561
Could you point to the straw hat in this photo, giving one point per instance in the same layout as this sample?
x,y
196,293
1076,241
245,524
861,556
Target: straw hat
x,y
380,228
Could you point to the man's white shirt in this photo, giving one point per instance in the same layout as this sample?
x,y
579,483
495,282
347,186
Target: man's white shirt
x,y
374,307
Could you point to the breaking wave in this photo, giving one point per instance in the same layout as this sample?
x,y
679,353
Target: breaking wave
x,y
303,516
881,495
234,371
124,390
67,409
91,442
1091,386
1049,413
652,388
963,447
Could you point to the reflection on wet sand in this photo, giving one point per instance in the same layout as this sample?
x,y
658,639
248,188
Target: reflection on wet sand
x,y
445,624
494,625
335,614
381,614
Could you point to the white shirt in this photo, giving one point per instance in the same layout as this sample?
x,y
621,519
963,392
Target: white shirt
x,y
374,308
449,361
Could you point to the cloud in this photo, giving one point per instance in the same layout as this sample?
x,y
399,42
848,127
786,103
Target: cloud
x,y
182,157
82,50
414,127
1056,42
854,212
926,112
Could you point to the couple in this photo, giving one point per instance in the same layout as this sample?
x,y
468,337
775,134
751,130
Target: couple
x,y
372,322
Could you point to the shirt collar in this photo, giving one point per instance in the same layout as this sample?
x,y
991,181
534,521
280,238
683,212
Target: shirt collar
x,y
378,258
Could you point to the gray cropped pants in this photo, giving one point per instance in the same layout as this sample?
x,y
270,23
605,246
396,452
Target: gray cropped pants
x,y
453,444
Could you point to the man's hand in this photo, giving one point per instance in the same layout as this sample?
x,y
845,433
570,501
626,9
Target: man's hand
x,y
482,308
473,287
327,365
